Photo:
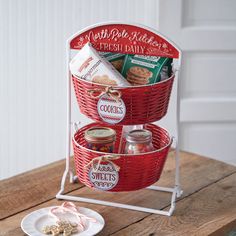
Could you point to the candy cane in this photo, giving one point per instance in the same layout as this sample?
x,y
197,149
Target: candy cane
x,y
71,208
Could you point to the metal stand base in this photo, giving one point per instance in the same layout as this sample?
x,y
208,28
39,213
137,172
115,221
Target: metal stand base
x,y
176,192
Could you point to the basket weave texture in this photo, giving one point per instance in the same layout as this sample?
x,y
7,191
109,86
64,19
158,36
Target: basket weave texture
x,y
136,171
144,104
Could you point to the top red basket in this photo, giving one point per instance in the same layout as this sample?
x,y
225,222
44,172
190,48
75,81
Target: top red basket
x,y
142,104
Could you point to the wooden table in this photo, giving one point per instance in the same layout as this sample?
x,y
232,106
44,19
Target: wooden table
x,y
207,206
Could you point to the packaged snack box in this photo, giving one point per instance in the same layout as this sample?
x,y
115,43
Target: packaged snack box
x,y
116,59
143,70
90,66
166,70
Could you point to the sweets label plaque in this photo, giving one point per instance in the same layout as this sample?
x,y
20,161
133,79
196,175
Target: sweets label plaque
x,y
111,110
105,178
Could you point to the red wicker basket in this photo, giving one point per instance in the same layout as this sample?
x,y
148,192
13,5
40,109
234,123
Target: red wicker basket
x,y
144,104
136,171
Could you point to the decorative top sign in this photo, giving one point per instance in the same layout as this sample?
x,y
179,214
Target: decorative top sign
x,y
127,39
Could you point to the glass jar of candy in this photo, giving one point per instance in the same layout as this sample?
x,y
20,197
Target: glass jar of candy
x,y
139,141
100,139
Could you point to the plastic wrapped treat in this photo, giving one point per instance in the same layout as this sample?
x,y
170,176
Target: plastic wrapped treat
x,y
90,66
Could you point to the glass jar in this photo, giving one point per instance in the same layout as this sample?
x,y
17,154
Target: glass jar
x,y
139,141
100,139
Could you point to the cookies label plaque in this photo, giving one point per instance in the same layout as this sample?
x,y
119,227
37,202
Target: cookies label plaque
x,y
111,110
105,178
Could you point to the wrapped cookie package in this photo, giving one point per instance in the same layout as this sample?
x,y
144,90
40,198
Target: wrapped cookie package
x,y
90,66
144,70
104,68
116,59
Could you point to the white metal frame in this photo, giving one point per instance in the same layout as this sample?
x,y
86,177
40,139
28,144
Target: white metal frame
x,y
175,191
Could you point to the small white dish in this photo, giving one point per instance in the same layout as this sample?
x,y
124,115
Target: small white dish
x,y
33,223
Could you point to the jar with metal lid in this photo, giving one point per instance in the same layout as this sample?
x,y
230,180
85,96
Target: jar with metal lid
x,y
139,141
100,139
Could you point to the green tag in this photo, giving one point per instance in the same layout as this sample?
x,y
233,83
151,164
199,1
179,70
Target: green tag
x,y
142,70
116,59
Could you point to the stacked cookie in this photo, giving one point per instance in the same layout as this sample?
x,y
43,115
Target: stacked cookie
x,y
118,64
104,79
138,75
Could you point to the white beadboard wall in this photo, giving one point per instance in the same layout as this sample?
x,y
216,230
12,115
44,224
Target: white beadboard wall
x,y
33,77
32,72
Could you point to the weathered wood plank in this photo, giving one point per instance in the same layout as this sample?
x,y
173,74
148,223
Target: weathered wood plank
x,y
31,188
196,174
228,229
202,213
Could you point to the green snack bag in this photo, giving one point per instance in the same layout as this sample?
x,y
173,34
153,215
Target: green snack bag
x,y
116,59
142,70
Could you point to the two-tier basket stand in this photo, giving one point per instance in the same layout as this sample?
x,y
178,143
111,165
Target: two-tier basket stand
x,y
143,106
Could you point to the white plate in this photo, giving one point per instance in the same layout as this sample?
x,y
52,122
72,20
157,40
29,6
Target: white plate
x,y
33,223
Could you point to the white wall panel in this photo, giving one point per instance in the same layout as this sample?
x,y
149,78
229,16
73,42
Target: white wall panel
x,y
208,13
215,140
32,72
195,38
208,110
207,75
206,32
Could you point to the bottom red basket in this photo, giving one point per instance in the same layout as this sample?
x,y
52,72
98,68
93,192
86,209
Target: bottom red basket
x,y
120,172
